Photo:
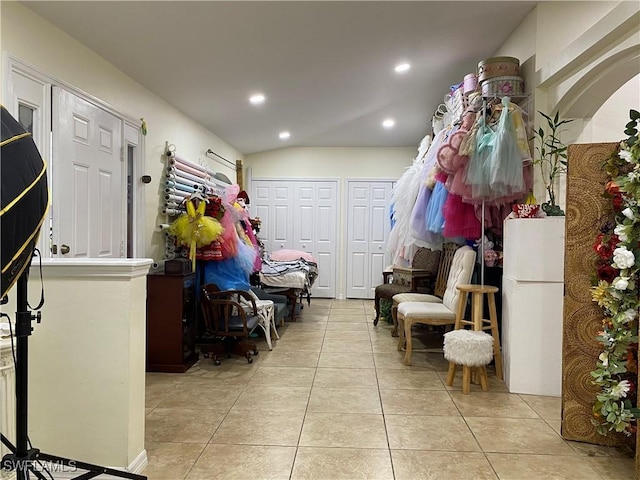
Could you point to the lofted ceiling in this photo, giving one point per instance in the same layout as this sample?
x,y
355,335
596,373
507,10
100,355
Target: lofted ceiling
x,y
326,67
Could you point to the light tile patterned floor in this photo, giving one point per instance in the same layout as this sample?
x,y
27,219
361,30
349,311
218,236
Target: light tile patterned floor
x,y
333,400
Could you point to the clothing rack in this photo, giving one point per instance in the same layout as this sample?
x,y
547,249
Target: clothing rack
x,y
486,99
211,152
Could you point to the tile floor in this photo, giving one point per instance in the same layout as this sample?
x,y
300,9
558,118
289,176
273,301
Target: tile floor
x,y
333,400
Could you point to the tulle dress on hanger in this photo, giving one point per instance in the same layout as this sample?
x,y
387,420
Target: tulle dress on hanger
x,y
434,214
505,162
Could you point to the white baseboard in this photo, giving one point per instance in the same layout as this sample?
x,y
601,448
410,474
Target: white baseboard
x,y
139,463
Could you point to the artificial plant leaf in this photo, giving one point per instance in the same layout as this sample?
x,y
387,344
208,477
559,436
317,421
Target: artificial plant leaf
x,y
544,115
634,114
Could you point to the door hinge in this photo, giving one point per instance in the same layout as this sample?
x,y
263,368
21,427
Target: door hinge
x,y
122,249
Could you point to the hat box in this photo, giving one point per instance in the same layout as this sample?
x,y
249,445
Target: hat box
x,y
503,86
498,67
470,83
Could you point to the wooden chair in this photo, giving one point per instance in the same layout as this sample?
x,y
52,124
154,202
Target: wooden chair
x,y
227,320
419,277
448,251
432,313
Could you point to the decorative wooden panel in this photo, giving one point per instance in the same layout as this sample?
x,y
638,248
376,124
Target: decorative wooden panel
x,y
582,317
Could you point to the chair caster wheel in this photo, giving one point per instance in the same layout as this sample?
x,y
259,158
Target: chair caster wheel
x,y
255,352
216,363
205,355
249,360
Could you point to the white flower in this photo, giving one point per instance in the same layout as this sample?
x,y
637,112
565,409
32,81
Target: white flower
x,y
627,212
604,358
621,389
621,283
625,155
623,258
621,232
629,315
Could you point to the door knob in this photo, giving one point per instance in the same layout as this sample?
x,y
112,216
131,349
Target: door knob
x,y
64,249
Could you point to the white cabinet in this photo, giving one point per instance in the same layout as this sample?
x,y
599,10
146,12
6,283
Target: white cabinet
x,y
532,302
300,215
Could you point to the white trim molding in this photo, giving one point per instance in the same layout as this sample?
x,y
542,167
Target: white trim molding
x,y
92,267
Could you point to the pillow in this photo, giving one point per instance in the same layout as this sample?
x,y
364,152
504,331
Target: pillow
x,y
285,255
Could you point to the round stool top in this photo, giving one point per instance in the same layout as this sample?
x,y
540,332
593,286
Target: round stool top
x,y
475,288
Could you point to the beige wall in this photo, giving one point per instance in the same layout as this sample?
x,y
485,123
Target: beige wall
x,y
335,162
607,125
559,44
30,38
522,41
561,23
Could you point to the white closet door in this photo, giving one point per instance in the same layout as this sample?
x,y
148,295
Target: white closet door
x,y
379,228
87,203
300,215
368,229
314,230
260,202
358,283
281,221
272,202
304,210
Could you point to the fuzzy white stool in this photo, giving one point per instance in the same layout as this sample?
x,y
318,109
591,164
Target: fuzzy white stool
x,y
471,349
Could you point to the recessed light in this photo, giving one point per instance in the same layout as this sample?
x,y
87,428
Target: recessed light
x,y
284,135
257,99
402,67
388,123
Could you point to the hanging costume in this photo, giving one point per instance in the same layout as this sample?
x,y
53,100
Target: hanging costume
x,y
194,229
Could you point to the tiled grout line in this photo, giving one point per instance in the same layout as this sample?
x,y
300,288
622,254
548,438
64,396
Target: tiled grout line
x,y
304,417
464,419
384,418
221,422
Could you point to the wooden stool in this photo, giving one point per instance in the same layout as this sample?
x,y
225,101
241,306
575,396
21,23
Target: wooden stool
x,y
478,323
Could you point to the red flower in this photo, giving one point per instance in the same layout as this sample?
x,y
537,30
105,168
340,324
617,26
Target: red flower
x,y
612,188
617,201
606,273
604,251
614,240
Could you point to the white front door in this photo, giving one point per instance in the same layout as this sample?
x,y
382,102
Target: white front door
x,y
88,179
368,227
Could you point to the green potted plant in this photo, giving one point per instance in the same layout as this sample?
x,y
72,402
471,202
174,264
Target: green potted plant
x,y
552,159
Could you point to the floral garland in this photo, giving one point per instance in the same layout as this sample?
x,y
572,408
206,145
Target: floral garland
x,y
617,290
